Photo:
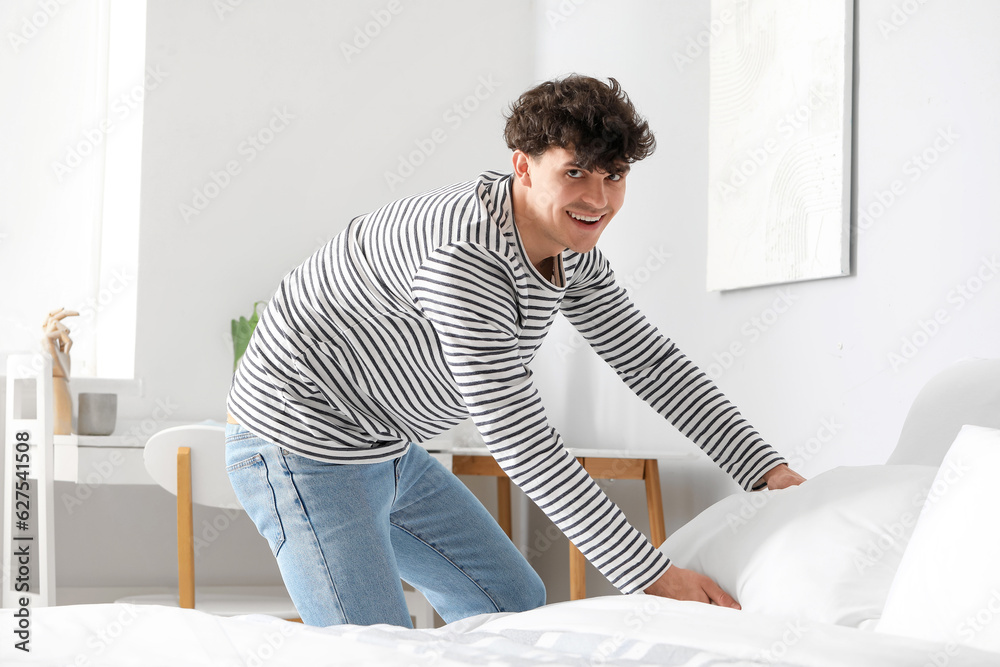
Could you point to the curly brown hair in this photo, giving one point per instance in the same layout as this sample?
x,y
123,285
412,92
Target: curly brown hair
x,y
594,119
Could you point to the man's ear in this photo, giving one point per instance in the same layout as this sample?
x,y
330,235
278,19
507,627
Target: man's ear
x,y
522,167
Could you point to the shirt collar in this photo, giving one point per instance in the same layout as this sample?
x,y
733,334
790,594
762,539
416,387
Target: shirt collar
x,y
495,193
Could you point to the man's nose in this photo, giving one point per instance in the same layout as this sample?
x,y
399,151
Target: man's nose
x,y
596,194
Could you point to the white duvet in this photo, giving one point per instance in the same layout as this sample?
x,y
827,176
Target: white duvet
x,y
619,630
807,563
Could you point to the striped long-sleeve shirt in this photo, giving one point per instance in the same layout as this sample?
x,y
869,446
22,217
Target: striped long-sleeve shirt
x,y
427,311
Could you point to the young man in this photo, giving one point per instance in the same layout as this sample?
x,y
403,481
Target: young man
x,y
429,310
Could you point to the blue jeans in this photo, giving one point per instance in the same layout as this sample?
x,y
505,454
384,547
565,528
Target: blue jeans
x,y
345,534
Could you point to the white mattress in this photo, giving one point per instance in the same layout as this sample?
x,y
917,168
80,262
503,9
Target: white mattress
x,y
619,630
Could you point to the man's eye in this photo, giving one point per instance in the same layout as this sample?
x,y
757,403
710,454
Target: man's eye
x,y
615,177
575,173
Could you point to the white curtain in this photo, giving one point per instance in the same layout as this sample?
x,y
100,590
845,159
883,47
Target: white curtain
x,y
71,80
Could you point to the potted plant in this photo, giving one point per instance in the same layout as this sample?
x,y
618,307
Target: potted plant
x,y
242,331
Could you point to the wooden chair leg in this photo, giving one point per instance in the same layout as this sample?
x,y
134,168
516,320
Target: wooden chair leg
x,y
654,502
577,574
503,506
185,530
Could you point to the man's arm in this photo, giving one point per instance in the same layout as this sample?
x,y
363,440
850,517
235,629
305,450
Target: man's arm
x,y
659,373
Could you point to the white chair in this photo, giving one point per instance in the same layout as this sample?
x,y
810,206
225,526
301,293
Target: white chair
x,y
190,462
968,392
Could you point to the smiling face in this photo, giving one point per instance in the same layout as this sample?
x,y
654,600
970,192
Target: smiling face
x,y
558,204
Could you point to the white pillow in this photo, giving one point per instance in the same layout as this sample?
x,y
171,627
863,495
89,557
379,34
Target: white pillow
x,y
826,550
947,587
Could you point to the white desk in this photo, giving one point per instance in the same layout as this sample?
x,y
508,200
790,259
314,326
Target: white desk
x,y
110,459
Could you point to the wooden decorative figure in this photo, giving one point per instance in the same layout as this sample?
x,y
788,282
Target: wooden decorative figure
x,y
59,343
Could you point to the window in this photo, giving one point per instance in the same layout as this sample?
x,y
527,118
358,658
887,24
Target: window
x,y
69,222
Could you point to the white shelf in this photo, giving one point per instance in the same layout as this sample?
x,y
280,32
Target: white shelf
x,y
120,386
74,440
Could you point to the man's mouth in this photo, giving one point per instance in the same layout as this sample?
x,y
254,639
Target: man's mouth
x,y
585,219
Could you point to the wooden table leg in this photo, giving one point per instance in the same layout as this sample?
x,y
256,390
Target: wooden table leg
x,y
503,506
577,574
185,530
654,503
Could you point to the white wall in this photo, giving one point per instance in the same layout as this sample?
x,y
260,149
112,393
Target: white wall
x,y
824,360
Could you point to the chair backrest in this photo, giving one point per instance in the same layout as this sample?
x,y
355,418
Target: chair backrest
x,y
209,481
966,393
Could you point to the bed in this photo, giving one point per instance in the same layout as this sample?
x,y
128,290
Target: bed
x,y
871,565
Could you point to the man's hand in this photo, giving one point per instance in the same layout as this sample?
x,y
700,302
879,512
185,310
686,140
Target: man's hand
x,y
782,477
682,584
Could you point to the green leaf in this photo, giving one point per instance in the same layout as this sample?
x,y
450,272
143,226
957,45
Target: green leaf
x,y
242,330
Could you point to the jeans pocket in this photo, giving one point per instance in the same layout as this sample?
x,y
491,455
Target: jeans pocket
x,y
256,494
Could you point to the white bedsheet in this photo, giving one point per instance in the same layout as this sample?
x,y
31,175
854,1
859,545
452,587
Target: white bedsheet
x,y
619,630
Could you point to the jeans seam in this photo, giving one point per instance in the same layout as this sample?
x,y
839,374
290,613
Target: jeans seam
x,y
241,435
257,460
239,465
316,540
449,560
395,485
